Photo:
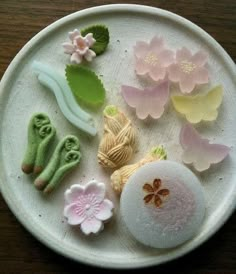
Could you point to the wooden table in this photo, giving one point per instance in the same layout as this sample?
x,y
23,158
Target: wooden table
x,y
19,21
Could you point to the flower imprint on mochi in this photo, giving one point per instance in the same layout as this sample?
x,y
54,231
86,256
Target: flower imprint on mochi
x,y
154,193
86,206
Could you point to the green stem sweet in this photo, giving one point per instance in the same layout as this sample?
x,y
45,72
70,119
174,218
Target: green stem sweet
x,y
68,143
47,132
73,159
37,121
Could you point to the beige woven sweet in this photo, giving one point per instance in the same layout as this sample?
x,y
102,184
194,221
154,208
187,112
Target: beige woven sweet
x,y
121,176
118,143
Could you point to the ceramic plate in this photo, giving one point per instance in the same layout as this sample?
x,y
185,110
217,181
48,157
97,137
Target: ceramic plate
x,y
22,95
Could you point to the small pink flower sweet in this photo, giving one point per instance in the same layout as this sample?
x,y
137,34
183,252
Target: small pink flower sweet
x,y
79,47
189,69
86,206
152,58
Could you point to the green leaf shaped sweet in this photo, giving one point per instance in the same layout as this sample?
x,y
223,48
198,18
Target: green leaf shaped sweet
x,y
85,85
101,35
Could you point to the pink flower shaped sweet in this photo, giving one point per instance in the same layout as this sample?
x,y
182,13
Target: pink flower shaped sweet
x,y
79,47
189,69
86,206
152,58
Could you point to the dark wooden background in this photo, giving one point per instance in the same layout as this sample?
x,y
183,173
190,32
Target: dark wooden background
x,y
22,19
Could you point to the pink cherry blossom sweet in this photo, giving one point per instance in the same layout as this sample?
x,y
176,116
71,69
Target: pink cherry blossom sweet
x,y
79,47
189,70
152,58
86,206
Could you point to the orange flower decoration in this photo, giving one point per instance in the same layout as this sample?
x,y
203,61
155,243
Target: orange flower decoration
x,y
155,193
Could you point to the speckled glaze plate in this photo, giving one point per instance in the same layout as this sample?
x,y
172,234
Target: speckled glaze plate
x,y
21,96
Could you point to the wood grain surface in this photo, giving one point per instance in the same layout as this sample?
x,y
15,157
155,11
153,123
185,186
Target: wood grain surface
x,y
20,20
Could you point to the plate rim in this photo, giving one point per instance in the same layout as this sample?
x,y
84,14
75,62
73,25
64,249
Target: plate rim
x,y
13,67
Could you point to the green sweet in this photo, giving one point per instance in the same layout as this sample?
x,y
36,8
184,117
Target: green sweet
x,y
85,85
65,157
40,134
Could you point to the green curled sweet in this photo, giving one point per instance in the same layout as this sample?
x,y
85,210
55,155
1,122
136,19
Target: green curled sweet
x,y
40,134
65,157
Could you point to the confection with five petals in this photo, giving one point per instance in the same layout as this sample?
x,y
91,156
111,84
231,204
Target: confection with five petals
x,y
86,206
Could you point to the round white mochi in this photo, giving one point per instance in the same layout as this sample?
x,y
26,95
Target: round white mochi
x,y
180,214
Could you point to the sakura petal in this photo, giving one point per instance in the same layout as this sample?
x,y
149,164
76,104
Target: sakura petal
x,y
201,75
73,34
156,44
199,58
166,57
96,189
141,67
157,73
105,212
187,83
174,73
141,49
90,40
76,58
89,55
183,55
68,48
92,225
73,215
71,195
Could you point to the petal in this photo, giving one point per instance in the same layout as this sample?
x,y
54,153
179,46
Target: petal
x,y
157,73
183,55
74,34
98,189
199,58
91,225
68,48
187,83
76,58
163,192
90,40
105,212
201,75
71,195
148,188
141,49
166,57
156,45
148,198
89,55
73,216
141,67
157,201
174,73
156,184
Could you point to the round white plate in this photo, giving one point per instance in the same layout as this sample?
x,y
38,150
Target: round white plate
x,y
22,95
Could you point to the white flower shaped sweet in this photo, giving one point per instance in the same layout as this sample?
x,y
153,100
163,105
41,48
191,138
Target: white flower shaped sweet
x,y
86,206
79,47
